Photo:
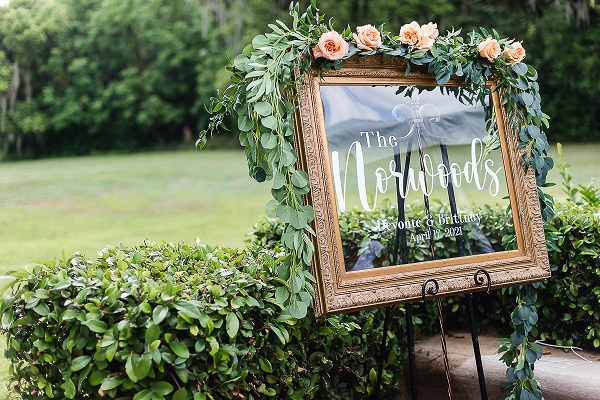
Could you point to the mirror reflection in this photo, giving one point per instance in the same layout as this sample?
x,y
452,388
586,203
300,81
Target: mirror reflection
x,y
415,166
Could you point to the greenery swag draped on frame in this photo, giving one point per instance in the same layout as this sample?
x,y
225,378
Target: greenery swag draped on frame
x,y
261,95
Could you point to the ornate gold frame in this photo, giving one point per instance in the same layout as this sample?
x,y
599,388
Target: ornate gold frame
x,y
338,291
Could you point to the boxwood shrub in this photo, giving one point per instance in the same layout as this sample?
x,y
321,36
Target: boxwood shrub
x,y
173,321
569,302
177,321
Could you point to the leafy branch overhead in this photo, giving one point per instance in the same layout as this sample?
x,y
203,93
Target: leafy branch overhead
x,y
261,97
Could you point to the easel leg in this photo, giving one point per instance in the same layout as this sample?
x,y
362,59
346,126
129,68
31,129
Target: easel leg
x,y
476,349
411,352
382,351
412,368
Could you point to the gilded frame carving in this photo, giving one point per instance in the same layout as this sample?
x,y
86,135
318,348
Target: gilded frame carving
x,y
338,291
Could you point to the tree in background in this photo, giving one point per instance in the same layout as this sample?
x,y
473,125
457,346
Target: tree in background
x,y
118,74
562,38
29,29
6,71
122,75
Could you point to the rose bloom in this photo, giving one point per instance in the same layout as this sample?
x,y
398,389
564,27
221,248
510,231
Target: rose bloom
x,y
516,53
331,45
409,33
430,30
489,49
367,37
427,35
425,42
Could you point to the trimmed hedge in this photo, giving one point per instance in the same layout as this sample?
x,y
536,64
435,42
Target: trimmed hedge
x,y
172,321
569,301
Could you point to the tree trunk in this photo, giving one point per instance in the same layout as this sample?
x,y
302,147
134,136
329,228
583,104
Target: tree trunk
x,y
19,144
187,135
4,109
15,82
28,89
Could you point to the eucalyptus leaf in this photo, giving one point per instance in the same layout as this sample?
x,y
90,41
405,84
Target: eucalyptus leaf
x,y
283,272
268,140
300,221
298,310
534,131
520,68
263,108
279,181
260,41
286,214
245,123
282,294
260,175
300,179
527,98
271,208
269,122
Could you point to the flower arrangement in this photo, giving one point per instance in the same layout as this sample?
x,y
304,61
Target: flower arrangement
x,y
333,46
261,96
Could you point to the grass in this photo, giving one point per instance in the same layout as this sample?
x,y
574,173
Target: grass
x,y
83,204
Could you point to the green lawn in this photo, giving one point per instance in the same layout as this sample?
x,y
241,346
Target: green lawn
x,y
83,204
585,166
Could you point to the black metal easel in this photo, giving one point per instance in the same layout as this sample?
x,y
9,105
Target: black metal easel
x,y
430,286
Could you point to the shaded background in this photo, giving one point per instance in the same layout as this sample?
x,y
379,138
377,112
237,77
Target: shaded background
x,y
88,76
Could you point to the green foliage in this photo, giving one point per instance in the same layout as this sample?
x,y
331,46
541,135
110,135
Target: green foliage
x,y
102,318
519,352
109,75
261,96
180,322
568,303
358,228
572,310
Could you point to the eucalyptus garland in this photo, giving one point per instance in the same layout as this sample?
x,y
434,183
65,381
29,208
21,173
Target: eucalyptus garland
x,y
261,97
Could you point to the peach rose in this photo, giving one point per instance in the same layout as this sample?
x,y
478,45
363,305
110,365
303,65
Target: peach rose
x,y
331,45
515,53
430,30
409,33
427,35
425,42
367,37
489,49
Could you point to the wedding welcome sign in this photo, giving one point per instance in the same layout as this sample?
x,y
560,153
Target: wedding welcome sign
x,y
371,138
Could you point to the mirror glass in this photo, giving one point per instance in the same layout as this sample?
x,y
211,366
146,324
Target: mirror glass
x,y
416,166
